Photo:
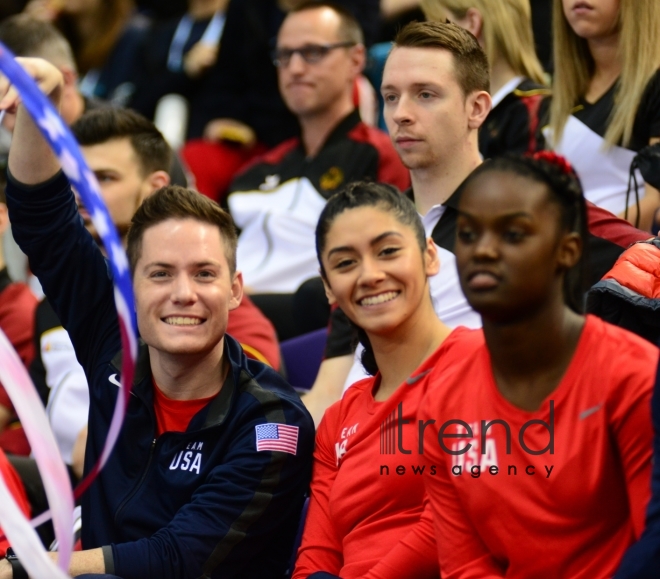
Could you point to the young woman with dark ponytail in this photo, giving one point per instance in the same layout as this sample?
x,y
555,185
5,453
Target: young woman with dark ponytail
x,y
544,468
366,519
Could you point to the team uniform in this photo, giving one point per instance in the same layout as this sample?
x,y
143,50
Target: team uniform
x,y
513,124
604,171
209,501
366,519
568,497
277,202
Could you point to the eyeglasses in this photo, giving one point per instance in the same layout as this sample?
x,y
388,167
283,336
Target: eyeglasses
x,y
310,53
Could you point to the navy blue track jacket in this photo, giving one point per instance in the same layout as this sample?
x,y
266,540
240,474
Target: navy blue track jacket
x,y
203,503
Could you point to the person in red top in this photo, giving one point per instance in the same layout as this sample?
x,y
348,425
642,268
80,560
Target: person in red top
x,y
538,425
366,520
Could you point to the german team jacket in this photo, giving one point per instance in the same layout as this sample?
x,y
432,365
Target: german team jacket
x,y
203,503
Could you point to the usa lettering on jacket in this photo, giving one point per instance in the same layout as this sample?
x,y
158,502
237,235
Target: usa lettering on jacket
x,y
189,459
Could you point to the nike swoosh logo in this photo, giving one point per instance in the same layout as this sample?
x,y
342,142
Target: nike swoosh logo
x,y
410,381
590,411
113,380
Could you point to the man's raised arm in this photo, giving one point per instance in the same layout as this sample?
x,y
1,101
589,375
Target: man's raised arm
x,y
31,159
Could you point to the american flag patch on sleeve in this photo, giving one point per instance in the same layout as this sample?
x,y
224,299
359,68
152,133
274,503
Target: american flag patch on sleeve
x,y
273,436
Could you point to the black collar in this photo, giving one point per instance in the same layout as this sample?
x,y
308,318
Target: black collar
x,y
345,126
5,280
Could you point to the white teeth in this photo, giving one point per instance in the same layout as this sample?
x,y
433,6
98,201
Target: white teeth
x,y
379,299
181,321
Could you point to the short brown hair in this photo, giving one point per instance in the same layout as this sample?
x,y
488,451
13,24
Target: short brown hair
x,y
175,202
25,35
106,123
470,61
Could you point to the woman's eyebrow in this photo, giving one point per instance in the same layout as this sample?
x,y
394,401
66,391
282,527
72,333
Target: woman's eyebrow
x,y
373,242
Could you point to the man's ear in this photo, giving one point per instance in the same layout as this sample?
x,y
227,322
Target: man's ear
x,y
478,105
4,219
152,183
158,179
359,58
70,76
236,291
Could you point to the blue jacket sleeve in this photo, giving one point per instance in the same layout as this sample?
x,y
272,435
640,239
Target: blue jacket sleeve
x,y
69,265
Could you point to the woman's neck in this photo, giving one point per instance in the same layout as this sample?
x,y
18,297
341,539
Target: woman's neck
x,y
500,74
400,353
607,66
530,357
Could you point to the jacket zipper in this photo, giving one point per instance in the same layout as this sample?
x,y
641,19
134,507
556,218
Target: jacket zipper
x,y
137,487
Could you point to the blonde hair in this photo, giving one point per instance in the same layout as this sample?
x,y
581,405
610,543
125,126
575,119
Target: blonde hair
x,y
639,53
507,30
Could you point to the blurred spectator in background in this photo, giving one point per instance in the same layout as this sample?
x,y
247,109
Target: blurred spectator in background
x,y
177,53
26,35
277,201
105,36
517,79
242,113
606,97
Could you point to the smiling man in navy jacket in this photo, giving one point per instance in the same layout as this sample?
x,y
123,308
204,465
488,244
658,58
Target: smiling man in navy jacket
x,y
209,473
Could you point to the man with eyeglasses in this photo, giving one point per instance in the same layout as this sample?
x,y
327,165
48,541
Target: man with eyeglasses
x,y
276,202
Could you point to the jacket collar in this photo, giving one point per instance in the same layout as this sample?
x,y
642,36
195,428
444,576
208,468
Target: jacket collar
x,y
219,407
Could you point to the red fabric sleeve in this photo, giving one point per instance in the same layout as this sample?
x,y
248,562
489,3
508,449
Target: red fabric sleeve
x,y
414,556
255,333
321,549
608,226
17,490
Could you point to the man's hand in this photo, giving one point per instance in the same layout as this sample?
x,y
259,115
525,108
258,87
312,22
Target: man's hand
x,y
31,160
82,562
199,59
230,130
48,78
